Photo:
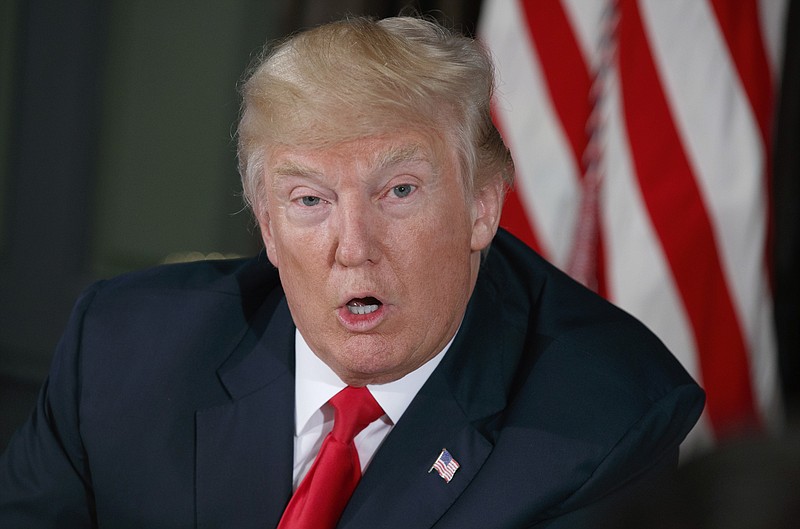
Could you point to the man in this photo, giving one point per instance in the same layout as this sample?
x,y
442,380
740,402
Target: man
x,y
500,393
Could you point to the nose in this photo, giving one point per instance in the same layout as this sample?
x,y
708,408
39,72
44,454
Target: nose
x,y
356,227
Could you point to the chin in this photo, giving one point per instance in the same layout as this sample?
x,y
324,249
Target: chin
x,y
363,370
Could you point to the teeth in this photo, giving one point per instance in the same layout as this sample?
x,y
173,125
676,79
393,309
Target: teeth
x,y
361,309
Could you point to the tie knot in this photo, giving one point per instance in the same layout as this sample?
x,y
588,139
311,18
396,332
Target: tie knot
x,y
355,409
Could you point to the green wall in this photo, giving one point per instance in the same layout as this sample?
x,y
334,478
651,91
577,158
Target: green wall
x,y
167,179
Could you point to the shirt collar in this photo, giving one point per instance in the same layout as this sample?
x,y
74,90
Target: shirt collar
x,y
316,383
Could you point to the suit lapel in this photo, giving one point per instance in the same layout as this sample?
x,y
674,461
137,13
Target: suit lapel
x,y
397,489
453,410
244,448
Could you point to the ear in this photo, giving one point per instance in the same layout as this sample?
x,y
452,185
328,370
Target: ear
x,y
267,235
487,206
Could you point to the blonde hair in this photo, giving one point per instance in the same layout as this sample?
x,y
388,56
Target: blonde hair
x,y
360,77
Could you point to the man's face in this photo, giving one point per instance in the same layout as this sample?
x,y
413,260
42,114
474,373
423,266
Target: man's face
x,y
377,246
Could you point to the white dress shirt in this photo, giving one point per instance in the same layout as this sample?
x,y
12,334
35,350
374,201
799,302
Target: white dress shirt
x,y
316,383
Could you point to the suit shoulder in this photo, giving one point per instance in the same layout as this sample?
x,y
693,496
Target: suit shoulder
x,y
580,355
559,317
250,277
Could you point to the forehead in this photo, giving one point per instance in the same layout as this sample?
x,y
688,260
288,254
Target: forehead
x,y
370,153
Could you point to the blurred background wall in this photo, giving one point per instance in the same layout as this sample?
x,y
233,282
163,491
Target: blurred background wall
x,y
117,152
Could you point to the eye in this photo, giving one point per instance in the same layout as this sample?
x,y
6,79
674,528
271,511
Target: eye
x,y
403,190
310,201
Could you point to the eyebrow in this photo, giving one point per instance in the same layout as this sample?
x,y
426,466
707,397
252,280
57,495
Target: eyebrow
x,y
398,155
381,160
292,168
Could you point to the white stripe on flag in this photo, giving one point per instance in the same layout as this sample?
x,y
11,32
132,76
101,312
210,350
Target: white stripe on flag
x,y
550,188
721,138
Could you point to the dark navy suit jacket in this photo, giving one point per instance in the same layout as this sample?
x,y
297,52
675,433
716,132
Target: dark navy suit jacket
x,y
170,404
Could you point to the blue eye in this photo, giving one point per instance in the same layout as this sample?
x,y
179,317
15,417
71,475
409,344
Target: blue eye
x,y
403,190
310,201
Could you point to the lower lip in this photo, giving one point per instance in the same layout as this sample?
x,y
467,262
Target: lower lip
x,y
361,322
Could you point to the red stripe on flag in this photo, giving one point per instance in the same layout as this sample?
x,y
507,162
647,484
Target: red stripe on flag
x,y
567,76
514,219
679,217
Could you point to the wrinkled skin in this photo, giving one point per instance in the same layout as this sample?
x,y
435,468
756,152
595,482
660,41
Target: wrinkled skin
x,y
378,248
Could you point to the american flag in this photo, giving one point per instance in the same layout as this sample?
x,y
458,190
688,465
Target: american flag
x,y
445,465
641,132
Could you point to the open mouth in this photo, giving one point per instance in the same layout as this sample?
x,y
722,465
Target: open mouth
x,y
361,306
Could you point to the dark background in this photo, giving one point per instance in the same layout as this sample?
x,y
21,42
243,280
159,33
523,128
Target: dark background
x,y
117,152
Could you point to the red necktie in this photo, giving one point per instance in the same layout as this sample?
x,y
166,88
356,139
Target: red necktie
x,y
322,495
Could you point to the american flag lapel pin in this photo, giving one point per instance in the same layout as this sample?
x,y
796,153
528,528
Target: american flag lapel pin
x,y
445,465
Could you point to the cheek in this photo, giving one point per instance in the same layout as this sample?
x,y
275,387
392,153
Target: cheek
x,y
441,264
281,239
304,291
302,255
